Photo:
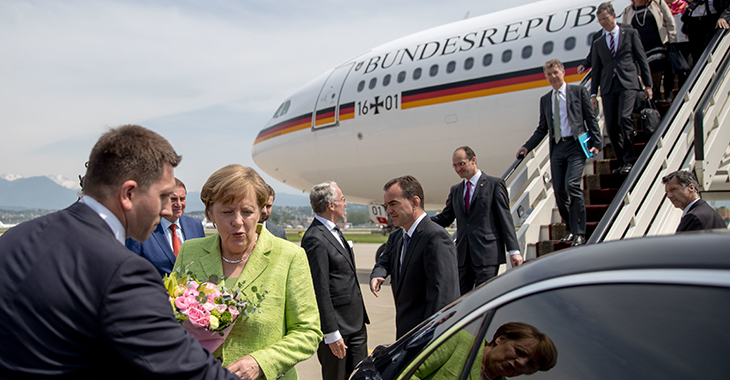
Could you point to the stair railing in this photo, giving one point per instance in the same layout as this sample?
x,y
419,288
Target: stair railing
x,y
640,207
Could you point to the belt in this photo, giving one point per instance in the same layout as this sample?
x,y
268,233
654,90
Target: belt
x,y
569,138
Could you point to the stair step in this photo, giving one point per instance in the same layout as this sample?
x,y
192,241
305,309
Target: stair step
x,y
594,213
601,196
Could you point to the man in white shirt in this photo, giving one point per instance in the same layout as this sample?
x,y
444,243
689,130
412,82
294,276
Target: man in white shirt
x,y
681,188
484,226
341,307
420,258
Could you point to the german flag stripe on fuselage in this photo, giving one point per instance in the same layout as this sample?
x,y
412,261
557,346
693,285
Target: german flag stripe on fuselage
x,y
481,87
427,96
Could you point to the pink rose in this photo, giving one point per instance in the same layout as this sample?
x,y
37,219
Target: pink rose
x,y
208,306
184,302
221,308
233,311
198,316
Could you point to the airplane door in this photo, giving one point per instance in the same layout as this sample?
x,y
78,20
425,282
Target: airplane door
x,y
326,110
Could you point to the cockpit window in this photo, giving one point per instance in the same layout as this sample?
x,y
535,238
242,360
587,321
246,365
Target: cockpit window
x,y
283,109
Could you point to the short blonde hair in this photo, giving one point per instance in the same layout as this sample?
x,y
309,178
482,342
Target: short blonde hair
x,y
233,182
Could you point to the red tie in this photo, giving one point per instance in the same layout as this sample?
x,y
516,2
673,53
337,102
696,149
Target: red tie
x,y
467,196
175,240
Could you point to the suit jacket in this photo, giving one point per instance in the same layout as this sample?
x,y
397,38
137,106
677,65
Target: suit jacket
x,y
489,222
334,275
630,58
157,249
701,217
275,230
77,304
429,279
580,117
286,332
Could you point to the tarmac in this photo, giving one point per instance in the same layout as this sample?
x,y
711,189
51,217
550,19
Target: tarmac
x,y
381,310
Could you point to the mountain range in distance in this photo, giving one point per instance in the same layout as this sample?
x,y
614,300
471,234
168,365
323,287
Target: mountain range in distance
x,y
57,192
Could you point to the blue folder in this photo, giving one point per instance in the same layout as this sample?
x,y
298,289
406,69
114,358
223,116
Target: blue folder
x,y
583,139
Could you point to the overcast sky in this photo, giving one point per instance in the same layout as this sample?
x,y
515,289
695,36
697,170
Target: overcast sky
x,y
206,75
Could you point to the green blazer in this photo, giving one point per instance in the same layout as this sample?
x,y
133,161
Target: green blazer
x,y
287,330
447,361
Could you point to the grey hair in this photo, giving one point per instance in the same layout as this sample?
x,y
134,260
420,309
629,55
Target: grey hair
x,y
684,178
321,196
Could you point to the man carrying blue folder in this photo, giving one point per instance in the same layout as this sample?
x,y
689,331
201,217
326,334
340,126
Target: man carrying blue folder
x,y
566,115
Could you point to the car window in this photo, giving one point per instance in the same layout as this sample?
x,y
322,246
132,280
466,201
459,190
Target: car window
x,y
447,358
629,331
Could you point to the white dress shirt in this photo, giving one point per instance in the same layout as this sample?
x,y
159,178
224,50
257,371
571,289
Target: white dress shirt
x,y
111,220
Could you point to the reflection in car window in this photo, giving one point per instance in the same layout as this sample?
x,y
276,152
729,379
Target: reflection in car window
x,y
630,331
447,360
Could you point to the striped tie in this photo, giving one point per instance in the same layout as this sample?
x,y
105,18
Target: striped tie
x,y
612,43
556,118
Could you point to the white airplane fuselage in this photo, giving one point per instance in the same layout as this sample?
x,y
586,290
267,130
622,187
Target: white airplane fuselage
x,y
403,107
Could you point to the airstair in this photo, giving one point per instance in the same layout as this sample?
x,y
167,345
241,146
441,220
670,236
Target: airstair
x,y
694,135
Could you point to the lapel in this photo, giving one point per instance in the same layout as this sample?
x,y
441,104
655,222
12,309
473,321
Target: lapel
x,y
335,243
161,240
412,245
259,259
478,190
622,40
459,202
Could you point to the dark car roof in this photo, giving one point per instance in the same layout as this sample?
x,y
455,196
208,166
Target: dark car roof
x,y
704,249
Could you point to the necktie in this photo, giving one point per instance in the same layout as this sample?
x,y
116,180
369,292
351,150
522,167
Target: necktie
x,y
342,238
556,118
175,240
406,239
467,196
612,43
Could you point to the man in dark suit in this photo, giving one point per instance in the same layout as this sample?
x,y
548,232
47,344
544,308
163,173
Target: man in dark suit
x,y
616,58
565,120
341,307
266,213
681,188
164,244
484,224
77,303
420,257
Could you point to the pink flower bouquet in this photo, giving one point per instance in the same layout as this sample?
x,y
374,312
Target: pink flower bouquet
x,y
206,309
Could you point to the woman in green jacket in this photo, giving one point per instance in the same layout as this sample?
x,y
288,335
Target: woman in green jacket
x,y
287,331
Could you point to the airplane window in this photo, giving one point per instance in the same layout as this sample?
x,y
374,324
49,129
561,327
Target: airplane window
x,y
434,70
570,43
286,107
507,56
469,63
526,52
401,76
417,73
547,48
386,80
373,82
360,86
589,41
487,60
278,111
451,67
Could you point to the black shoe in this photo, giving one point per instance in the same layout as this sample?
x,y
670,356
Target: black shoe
x,y
578,240
567,238
617,170
626,168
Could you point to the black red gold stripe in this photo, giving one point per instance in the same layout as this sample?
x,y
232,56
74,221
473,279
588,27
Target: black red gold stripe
x,y
480,87
427,96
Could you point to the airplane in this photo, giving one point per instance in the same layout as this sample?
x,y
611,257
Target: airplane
x,y
3,225
405,106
